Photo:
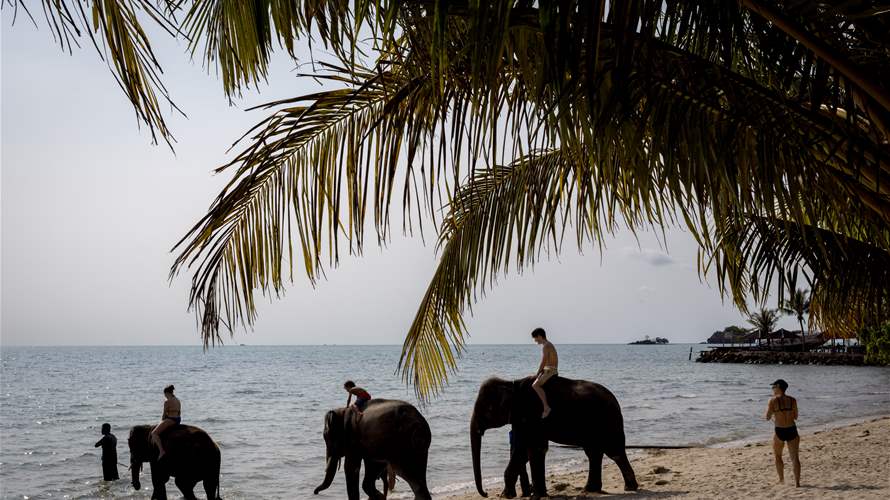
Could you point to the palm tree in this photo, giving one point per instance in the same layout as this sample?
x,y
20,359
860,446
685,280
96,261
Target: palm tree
x,y
761,126
798,304
764,322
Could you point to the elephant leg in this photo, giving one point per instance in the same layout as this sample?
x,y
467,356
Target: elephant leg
x,y
352,467
630,479
516,470
524,483
373,471
211,487
187,487
415,475
595,475
539,480
159,480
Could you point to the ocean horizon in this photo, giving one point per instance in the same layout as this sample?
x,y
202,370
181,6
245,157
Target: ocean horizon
x,y
264,405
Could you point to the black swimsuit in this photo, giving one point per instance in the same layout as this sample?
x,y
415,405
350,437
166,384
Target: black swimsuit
x,y
786,433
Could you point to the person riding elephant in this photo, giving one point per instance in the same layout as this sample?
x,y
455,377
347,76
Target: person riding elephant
x,y
587,415
191,457
388,433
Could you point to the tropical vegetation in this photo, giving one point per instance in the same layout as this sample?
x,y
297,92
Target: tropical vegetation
x,y
764,322
514,127
876,340
798,304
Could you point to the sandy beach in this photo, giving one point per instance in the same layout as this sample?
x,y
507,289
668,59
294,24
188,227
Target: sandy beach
x,y
851,462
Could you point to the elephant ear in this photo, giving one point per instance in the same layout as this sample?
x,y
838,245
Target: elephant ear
x,y
350,422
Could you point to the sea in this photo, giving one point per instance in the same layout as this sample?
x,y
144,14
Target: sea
x,y
265,405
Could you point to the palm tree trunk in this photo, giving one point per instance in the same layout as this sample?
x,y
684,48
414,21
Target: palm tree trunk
x,y
803,337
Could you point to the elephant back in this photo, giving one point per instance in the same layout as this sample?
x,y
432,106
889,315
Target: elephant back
x,y
574,402
188,445
385,419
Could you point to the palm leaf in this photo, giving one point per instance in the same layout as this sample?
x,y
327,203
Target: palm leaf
x,y
115,28
288,184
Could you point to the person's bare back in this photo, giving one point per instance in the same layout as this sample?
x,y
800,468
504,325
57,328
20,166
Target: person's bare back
x,y
549,359
172,408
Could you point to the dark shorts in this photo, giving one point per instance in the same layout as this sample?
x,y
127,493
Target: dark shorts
x,y
361,404
786,433
176,420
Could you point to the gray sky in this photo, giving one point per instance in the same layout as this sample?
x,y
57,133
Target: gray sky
x,y
90,210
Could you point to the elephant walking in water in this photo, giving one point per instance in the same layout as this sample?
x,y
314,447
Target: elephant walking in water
x,y
584,414
388,433
191,457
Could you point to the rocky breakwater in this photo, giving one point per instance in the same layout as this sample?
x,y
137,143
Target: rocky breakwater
x,y
729,355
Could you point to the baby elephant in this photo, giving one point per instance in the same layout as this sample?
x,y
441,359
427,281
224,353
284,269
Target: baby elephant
x,y
387,433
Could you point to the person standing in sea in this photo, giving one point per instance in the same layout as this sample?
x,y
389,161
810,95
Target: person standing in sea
x,y
782,409
109,454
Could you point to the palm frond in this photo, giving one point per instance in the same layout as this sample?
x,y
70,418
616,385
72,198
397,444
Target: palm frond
x,y
115,29
289,184
511,214
848,277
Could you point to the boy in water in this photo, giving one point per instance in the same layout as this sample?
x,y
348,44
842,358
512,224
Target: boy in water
x,y
361,396
109,454
547,369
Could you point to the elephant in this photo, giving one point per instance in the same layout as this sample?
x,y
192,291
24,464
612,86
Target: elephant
x,y
192,456
585,414
387,434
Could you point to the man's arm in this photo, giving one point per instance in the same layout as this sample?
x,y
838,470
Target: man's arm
x,y
794,405
99,443
769,409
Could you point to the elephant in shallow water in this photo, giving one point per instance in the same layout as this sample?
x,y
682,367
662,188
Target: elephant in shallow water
x,y
191,457
584,414
389,434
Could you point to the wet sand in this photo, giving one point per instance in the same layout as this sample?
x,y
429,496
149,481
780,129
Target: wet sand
x,y
845,463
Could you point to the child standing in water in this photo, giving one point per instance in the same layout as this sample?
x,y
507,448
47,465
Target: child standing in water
x,y
361,396
172,416
109,454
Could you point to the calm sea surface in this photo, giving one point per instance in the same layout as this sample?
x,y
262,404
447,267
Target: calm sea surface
x,y
265,407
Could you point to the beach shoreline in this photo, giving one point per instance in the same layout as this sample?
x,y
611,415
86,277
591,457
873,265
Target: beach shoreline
x,y
849,458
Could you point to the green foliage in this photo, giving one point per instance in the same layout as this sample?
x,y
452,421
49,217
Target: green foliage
x,y
764,322
762,127
876,340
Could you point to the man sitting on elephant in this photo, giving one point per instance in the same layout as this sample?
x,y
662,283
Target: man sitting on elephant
x,y
547,369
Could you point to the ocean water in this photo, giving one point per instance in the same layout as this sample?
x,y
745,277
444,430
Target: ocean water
x,y
265,407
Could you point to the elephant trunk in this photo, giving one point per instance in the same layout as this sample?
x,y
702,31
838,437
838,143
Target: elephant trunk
x,y
476,446
135,467
330,471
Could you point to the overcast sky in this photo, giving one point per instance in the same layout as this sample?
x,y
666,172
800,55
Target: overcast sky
x,y
90,210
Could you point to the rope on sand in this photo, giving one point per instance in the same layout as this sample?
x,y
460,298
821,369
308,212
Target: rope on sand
x,y
638,447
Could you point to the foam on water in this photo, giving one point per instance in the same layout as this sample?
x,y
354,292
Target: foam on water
x,y
265,407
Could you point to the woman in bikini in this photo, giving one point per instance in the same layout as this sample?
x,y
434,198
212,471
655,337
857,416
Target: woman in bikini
x,y
782,409
172,416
